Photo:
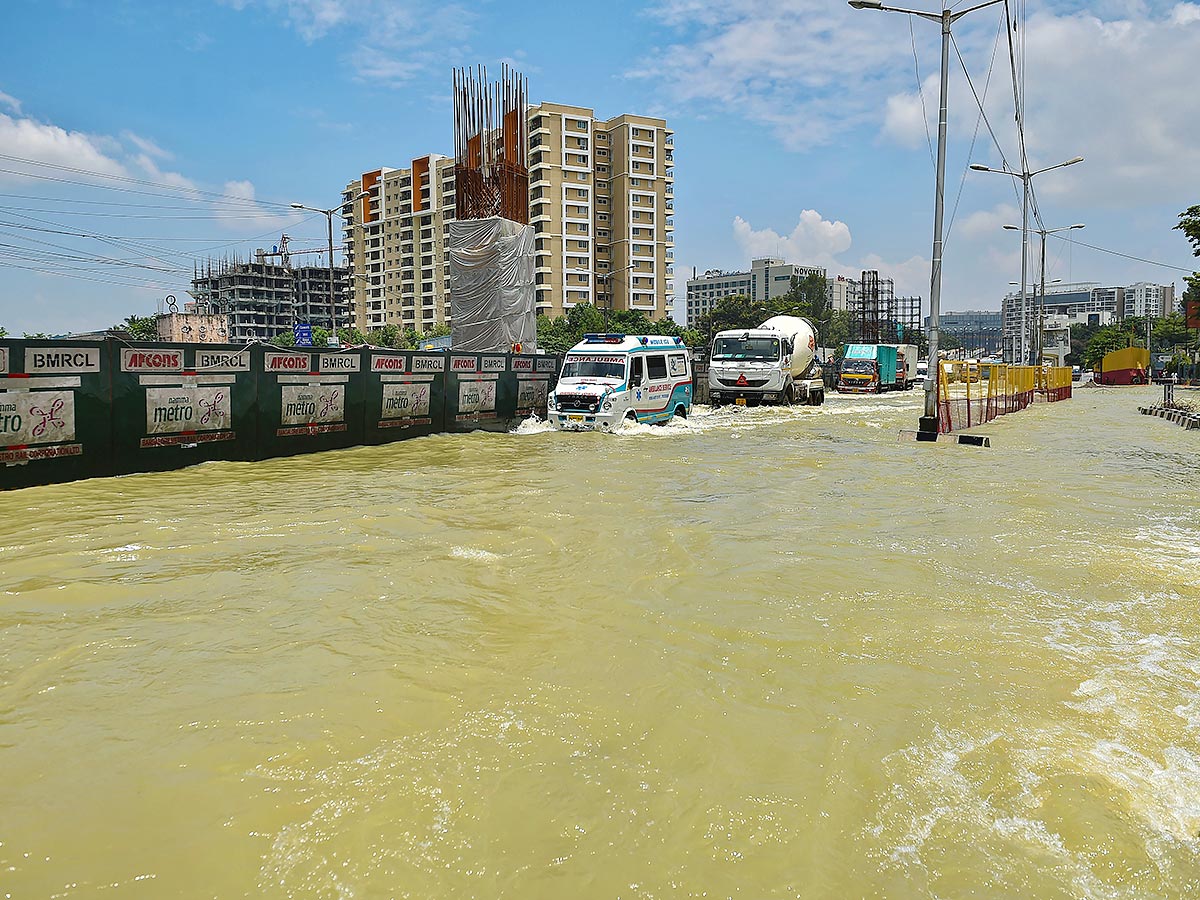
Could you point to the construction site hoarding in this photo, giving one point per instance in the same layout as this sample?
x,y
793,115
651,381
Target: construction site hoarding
x,y
178,404
405,394
534,376
492,297
308,401
54,412
481,392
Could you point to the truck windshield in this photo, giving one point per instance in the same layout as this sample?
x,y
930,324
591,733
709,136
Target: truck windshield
x,y
593,368
746,348
858,366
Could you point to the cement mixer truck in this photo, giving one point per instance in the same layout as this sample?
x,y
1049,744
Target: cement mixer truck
x,y
774,363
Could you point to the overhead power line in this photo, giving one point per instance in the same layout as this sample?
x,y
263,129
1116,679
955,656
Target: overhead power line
x,y
1150,262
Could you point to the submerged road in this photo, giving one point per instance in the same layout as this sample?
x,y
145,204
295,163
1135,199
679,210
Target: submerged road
x,y
764,653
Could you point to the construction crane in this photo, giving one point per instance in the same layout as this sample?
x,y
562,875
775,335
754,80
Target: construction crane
x,y
285,253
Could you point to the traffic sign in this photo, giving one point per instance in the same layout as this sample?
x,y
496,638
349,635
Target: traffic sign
x,y
303,334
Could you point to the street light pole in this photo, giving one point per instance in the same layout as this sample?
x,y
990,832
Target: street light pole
x,y
1042,303
608,290
929,422
1026,177
328,214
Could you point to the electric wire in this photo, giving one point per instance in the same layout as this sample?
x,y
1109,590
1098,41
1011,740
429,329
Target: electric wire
x,y
1150,262
921,90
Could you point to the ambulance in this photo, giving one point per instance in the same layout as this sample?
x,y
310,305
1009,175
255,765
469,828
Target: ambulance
x,y
608,379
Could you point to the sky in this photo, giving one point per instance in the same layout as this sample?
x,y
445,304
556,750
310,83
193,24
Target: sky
x,y
139,137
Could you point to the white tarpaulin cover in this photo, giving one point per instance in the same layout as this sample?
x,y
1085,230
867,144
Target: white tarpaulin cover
x,y
491,285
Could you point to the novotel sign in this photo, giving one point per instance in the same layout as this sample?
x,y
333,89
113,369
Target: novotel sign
x,y
56,360
134,359
287,362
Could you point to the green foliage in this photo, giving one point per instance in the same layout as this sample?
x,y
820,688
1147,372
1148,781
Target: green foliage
x,y
1189,224
557,335
3,332
35,336
140,328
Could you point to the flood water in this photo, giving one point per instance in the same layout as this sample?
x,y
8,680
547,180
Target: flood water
x,y
763,654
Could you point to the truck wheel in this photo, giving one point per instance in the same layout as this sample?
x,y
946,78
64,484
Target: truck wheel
x,y
789,395
680,412
816,398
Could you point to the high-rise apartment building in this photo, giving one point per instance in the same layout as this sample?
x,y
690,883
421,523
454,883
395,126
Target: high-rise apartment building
x,y
397,240
1145,299
601,201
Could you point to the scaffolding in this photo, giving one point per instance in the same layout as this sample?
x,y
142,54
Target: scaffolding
x,y
878,316
263,299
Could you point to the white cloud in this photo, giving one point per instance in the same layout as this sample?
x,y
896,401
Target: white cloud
x,y
814,241
146,145
1120,92
390,43
30,139
987,223
817,241
10,101
1185,14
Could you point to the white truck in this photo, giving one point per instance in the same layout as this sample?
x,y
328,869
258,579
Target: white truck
x,y
907,356
774,363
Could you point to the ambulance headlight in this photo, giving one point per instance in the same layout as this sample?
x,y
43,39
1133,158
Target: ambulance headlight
x,y
608,404
550,402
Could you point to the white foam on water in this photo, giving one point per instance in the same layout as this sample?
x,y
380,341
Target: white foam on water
x,y
474,553
533,425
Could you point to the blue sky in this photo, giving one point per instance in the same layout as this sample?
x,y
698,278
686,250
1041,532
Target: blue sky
x,y
800,131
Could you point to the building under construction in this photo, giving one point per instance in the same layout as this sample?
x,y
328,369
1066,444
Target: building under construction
x,y
878,316
264,298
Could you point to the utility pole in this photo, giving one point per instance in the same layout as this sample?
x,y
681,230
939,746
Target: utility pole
x,y
928,426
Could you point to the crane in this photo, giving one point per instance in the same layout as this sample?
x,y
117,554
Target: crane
x,y
285,253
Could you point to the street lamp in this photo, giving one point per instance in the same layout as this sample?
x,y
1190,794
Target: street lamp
x,y
929,422
328,214
1026,177
608,289
1043,232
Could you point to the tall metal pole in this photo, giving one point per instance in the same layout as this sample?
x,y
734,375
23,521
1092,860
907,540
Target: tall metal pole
x,y
1042,304
332,310
1024,269
929,422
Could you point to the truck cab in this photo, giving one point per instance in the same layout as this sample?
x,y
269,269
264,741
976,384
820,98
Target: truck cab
x,y
870,369
774,363
608,379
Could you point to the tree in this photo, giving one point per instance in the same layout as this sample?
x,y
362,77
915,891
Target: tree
x,y
1189,224
140,328
3,332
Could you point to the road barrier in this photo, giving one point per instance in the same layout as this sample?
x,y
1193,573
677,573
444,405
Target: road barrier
x,y
82,409
973,393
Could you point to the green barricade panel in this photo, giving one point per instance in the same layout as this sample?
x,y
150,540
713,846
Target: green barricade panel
x,y
179,404
308,401
532,386
405,394
477,396
54,412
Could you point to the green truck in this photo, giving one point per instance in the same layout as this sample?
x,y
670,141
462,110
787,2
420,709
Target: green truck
x,y
869,369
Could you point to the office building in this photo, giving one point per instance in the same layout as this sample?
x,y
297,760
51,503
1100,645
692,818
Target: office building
x,y
768,279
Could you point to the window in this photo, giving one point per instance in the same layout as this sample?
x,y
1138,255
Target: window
x,y
636,375
656,367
